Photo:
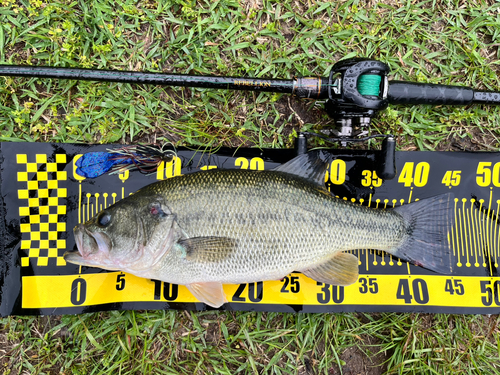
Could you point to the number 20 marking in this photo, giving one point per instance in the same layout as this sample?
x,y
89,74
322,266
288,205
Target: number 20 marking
x,y
256,164
255,292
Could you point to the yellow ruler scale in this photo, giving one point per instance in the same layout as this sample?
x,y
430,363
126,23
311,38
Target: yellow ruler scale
x,y
294,289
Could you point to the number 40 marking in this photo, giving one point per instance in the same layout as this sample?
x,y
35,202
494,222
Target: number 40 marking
x,y
418,291
417,175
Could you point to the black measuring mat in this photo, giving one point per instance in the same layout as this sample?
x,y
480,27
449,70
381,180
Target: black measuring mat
x,y
42,199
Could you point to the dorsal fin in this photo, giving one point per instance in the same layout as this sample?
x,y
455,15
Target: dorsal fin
x,y
311,166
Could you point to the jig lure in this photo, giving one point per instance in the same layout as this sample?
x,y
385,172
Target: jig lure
x,y
145,158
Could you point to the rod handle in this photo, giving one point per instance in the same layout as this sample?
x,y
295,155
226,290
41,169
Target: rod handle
x,y
425,93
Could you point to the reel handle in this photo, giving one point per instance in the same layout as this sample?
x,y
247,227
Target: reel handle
x,y
386,168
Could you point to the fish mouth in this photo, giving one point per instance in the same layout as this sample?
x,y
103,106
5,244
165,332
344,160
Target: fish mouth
x,y
78,232
92,248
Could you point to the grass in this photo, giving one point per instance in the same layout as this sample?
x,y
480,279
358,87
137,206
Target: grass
x,y
172,342
450,42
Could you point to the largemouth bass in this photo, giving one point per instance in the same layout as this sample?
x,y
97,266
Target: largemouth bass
x,y
214,227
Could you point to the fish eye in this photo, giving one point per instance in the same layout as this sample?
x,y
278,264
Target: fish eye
x,y
156,210
104,219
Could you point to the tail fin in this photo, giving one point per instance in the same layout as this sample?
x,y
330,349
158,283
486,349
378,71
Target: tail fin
x,y
429,222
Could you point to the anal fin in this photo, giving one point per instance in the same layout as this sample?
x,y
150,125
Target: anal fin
x,y
210,293
341,269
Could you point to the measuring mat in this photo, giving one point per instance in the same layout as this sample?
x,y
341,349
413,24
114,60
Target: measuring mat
x,y
42,198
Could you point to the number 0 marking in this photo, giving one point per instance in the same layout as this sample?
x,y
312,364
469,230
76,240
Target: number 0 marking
x,y
78,291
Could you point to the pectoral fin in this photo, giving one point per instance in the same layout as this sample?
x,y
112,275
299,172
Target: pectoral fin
x,y
341,269
207,249
210,293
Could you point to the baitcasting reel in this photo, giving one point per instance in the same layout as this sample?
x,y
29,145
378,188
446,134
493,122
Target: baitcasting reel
x,y
355,91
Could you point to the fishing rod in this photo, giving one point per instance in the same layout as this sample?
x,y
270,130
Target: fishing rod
x,y
356,88
354,92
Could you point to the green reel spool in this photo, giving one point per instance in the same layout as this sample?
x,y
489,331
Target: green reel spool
x,y
369,84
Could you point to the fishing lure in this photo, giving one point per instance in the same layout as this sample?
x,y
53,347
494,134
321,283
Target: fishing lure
x,y
145,158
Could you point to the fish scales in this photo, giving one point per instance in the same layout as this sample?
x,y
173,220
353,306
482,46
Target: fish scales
x,y
281,224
